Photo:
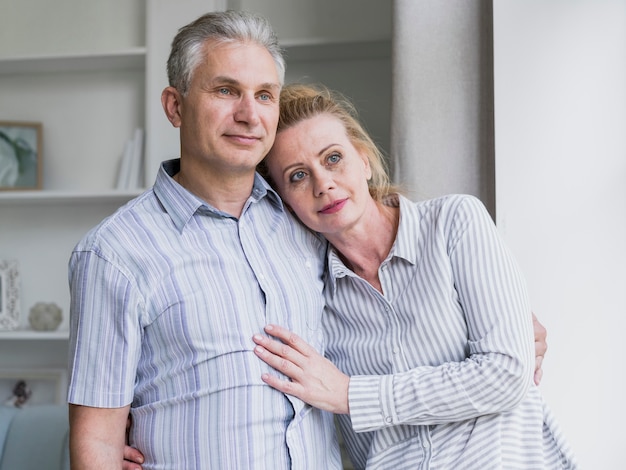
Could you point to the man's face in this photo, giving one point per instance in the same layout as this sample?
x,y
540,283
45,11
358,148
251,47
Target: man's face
x,y
228,119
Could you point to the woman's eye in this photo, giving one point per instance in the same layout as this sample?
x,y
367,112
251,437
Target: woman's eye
x,y
297,176
334,158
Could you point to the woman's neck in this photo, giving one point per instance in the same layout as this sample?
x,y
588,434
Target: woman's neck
x,y
365,246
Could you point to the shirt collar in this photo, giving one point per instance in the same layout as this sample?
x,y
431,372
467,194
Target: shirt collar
x,y
404,246
181,205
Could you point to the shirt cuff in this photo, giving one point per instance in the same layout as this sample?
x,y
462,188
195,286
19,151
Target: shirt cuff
x,y
371,402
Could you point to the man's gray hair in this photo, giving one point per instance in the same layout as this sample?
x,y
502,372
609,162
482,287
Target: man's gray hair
x,y
221,27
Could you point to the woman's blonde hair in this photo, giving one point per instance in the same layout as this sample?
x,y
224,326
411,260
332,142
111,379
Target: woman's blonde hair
x,y
299,102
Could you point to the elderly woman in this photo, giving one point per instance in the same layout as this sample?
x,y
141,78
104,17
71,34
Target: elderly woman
x,y
428,325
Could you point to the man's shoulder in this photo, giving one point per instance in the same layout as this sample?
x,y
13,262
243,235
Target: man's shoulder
x,y
123,223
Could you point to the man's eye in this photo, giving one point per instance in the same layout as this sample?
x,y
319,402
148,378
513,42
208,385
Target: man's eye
x,y
265,97
224,91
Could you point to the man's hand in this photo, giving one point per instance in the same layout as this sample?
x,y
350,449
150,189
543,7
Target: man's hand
x,y
314,379
132,457
540,348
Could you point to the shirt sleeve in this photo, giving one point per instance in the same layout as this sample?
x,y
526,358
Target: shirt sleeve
x,y
498,369
105,341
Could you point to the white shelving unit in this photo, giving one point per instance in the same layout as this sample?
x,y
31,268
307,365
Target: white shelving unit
x,y
66,63
90,104
21,335
60,197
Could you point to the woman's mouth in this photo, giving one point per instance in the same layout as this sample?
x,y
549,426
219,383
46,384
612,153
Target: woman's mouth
x,y
334,207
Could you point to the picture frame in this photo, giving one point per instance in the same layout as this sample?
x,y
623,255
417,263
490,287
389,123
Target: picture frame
x,y
45,386
9,295
20,155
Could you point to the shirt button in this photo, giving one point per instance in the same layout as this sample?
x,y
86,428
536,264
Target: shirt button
x,y
388,419
396,350
426,444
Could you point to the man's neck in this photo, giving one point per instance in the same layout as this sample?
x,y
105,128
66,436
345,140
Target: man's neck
x,y
226,194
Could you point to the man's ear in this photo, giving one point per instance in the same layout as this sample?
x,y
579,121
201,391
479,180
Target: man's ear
x,y
172,102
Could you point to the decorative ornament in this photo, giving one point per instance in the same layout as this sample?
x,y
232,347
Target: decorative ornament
x,y
21,394
45,316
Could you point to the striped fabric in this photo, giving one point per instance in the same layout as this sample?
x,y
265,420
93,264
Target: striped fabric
x,y
441,365
166,295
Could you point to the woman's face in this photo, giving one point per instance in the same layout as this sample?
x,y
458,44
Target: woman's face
x,y
320,174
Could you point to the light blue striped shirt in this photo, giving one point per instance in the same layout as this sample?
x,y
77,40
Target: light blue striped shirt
x,y
442,363
166,295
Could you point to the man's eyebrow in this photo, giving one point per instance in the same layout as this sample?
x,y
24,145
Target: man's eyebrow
x,y
226,80
223,79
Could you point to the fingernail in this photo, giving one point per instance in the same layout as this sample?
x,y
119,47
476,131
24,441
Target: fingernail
x,y
269,328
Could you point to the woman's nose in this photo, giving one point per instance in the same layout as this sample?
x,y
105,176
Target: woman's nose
x,y
323,182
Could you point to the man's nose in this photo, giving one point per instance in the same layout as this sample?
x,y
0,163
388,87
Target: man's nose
x,y
247,110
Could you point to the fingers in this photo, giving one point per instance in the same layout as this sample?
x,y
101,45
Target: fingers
x,y
541,346
290,338
278,360
282,365
282,356
290,347
278,350
130,466
285,386
538,376
132,459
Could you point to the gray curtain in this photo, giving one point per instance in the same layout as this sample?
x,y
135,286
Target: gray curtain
x,y
442,131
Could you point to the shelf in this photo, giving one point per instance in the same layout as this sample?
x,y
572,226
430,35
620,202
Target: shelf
x,y
66,197
297,50
128,59
59,335
325,49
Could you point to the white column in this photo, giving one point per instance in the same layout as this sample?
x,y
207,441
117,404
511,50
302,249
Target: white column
x,y
442,107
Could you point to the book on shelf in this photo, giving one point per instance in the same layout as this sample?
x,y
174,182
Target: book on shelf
x,y
131,163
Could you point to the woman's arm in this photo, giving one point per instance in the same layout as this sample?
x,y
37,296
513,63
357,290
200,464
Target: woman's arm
x,y
316,381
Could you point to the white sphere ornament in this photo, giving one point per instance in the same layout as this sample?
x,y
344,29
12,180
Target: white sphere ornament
x,y
45,316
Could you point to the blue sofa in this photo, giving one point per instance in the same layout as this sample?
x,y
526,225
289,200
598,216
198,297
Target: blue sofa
x,y
34,438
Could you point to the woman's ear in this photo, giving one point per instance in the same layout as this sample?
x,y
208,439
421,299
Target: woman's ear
x,y
171,100
366,163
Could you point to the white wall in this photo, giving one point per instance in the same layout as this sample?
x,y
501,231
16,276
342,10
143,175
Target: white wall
x,y
560,120
36,27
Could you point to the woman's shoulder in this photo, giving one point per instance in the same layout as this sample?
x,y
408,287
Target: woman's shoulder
x,y
447,203
452,212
